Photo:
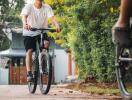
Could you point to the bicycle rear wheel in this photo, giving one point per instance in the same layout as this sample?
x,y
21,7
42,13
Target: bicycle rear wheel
x,y
45,73
35,69
124,73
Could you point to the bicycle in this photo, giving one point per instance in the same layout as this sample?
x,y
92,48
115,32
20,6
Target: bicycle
x,y
41,66
123,65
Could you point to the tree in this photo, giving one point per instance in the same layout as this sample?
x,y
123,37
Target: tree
x,y
90,37
87,31
9,12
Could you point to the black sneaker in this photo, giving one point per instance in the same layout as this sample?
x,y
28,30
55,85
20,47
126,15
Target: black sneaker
x,y
29,76
45,71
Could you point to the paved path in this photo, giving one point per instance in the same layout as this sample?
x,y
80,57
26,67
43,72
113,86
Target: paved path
x,y
19,92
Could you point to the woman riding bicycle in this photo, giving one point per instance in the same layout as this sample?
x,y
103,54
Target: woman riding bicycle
x,y
121,30
35,15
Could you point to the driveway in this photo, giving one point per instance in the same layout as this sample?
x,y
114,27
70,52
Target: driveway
x,y
58,92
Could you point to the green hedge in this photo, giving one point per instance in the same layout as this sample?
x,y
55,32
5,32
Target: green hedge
x,y
89,24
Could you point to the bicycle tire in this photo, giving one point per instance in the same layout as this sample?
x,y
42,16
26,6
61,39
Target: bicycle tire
x,y
121,74
33,85
45,90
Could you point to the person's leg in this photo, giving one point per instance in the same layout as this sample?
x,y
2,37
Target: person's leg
x,y
45,39
29,60
125,13
29,43
46,44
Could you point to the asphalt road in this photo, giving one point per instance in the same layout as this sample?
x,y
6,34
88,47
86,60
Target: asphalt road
x,y
20,92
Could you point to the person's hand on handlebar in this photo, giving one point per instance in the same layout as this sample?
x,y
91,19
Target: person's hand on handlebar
x,y
58,28
26,26
55,22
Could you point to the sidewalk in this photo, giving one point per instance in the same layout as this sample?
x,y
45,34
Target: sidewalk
x,y
19,92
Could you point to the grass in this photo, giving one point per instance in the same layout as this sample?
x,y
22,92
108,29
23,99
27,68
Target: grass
x,y
93,89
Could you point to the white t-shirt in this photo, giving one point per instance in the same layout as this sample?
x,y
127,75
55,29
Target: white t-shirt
x,y
37,18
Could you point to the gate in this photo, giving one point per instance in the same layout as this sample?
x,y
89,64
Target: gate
x,y
18,75
18,72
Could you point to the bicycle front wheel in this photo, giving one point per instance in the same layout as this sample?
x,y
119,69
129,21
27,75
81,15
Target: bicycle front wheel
x,y
124,73
35,71
45,73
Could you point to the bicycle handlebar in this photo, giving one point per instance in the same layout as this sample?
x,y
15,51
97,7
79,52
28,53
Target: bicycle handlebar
x,y
44,29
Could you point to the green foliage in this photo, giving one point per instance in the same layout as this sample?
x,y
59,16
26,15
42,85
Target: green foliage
x,y
9,12
96,20
87,31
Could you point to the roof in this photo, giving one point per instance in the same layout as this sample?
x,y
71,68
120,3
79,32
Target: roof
x,y
17,46
17,30
9,32
13,53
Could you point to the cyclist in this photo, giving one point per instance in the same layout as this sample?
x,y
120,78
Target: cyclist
x,y
35,15
121,30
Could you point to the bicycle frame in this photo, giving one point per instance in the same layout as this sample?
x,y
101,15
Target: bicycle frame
x,y
40,49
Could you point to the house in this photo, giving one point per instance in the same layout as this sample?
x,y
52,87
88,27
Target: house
x,y
12,61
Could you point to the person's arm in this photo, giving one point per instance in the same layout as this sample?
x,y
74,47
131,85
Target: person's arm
x,y
53,18
55,22
25,24
24,14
